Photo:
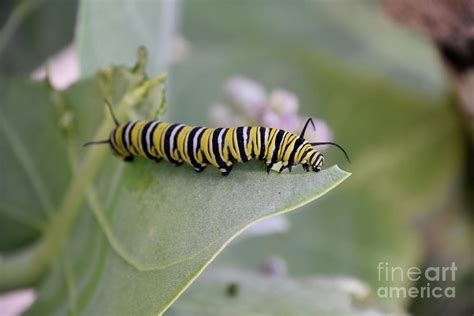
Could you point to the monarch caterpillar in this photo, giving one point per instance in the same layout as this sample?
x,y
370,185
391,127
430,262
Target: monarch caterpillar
x,y
219,147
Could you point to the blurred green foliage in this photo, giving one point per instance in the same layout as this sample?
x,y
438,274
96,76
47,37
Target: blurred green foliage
x,y
244,292
380,89
43,28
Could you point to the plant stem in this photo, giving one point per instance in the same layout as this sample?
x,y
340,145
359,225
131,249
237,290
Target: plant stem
x,y
26,267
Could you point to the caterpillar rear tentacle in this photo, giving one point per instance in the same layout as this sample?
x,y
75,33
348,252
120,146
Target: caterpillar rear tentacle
x,y
219,147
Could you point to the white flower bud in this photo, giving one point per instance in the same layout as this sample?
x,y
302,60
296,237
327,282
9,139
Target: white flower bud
x,y
270,119
63,70
283,101
248,95
290,122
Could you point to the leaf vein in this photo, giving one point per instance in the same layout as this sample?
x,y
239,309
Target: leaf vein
x,y
31,171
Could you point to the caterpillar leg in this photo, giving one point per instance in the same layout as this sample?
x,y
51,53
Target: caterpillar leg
x,y
226,170
128,159
269,167
157,160
199,169
306,167
285,166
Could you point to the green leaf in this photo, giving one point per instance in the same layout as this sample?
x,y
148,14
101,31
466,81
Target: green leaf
x,y
240,292
125,238
29,195
163,225
110,31
31,34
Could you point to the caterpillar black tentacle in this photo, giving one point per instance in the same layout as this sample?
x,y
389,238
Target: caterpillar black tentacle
x,y
219,147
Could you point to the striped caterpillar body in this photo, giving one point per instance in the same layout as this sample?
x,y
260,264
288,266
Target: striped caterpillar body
x,y
219,147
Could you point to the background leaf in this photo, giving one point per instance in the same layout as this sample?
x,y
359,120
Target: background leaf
x,y
240,292
27,164
33,34
109,32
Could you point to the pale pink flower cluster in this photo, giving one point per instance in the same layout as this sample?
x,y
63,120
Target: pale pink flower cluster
x,y
248,103
62,69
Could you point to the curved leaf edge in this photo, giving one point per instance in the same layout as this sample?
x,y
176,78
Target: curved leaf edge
x,y
235,235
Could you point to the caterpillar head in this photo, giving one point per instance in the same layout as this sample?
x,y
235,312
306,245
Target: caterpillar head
x,y
118,149
317,159
115,147
317,162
